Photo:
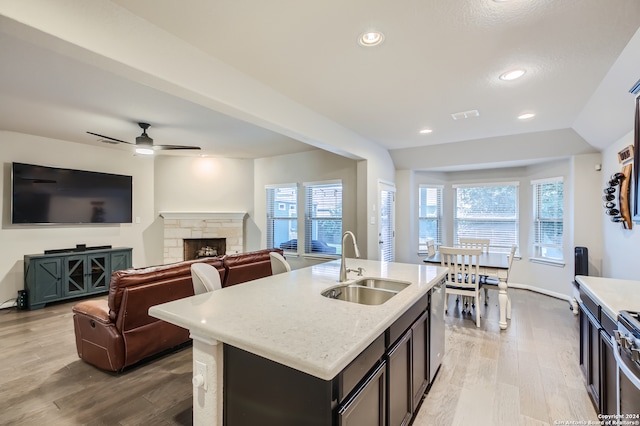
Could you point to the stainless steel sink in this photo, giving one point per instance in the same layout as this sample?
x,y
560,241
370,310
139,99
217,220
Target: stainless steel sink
x,y
359,294
366,291
383,283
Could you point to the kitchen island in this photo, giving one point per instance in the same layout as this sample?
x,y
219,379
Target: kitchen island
x,y
286,321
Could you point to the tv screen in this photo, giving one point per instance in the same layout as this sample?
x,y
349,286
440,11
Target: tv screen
x,y
43,194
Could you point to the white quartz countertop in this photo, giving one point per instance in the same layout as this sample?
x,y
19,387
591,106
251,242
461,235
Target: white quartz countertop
x,y
284,317
615,295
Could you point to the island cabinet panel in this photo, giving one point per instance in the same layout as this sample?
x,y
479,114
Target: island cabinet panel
x,y
366,407
258,391
420,358
354,373
399,382
406,320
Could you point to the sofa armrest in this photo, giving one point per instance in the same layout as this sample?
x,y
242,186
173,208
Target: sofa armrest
x,y
98,310
98,341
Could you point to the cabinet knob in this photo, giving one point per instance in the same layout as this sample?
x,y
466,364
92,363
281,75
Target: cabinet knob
x,y
197,381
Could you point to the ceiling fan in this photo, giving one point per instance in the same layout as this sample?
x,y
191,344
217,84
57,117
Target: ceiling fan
x,y
144,144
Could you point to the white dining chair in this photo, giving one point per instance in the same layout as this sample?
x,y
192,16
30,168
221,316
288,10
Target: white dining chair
x,y
463,278
279,264
481,243
205,278
431,248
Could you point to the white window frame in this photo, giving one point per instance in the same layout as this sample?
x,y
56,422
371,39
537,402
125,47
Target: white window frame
x,y
539,246
496,246
270,211
422,248
310,218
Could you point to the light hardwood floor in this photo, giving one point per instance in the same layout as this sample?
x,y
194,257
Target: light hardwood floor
x,y
526,375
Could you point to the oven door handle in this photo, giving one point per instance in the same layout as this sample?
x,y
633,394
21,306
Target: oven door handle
x,y
622,366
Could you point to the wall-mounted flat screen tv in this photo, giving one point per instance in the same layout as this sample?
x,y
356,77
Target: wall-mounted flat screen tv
x,y
50,195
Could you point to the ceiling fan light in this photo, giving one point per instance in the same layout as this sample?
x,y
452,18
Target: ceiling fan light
x,y
144,151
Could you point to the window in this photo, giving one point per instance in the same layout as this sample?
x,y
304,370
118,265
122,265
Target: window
x,y
429,216
548,220
323,218
282,218
487,211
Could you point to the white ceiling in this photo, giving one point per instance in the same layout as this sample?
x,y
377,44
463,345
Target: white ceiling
x,y
49,94
438,58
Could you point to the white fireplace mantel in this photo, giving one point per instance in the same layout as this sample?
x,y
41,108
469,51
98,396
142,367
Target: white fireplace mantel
x,y
204,215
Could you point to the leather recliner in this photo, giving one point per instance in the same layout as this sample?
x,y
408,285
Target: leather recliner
x,y
118,332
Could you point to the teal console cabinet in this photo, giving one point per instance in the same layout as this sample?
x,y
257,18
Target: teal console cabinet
x,y
60,276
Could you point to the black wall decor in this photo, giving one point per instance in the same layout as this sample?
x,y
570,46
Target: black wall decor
x,y
610,200
616,197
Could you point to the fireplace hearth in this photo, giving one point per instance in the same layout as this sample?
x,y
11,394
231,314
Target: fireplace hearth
x,y
195,248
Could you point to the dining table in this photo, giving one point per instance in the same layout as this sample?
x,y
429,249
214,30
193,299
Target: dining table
x,y
492,264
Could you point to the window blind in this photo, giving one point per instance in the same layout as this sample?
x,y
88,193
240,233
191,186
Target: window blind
x,y
282,217
323,218
487,211
548,223
429,215
387,233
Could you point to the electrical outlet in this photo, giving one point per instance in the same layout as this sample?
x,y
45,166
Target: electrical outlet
x,y
201,370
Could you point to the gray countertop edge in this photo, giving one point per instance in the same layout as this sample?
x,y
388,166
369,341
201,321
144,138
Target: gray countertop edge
x,y
285,319
614,295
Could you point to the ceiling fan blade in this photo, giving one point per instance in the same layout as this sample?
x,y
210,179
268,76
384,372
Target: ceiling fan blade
x,y
110,138
168,147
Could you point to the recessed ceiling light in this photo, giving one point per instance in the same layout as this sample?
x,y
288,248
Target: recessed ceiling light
x,y
512,75
526,116
425,131
371,38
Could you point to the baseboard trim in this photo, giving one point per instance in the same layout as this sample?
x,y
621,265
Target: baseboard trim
x,y
9,304
546,292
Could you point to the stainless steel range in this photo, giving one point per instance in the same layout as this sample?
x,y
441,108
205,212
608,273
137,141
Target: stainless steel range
x,y
626,345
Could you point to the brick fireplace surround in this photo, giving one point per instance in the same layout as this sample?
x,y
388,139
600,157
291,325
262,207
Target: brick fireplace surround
x,y
181,225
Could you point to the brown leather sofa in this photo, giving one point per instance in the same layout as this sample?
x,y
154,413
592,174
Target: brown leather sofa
x,y
118,332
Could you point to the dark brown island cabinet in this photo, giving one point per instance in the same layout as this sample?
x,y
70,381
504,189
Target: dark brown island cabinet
x,y
384,385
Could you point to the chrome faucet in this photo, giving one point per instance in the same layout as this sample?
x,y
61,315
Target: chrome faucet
x,y
343,265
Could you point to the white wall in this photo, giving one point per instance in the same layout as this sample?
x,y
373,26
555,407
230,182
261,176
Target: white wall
x,y
206,184
104,33
620,247
312,166
551,279
18,240
587,208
